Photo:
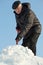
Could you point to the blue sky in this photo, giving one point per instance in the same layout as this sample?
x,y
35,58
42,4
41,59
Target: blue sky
x,y
8,23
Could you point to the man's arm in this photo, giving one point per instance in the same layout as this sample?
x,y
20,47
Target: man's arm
x,y
27,27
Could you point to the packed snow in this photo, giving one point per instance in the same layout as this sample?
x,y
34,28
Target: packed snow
x,y
19,55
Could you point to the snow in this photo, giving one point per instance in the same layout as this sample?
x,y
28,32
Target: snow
x,y
19,55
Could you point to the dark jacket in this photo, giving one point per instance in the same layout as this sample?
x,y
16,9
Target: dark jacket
x,y
26,21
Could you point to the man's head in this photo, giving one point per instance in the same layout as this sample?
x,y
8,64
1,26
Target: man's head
x,y
17,7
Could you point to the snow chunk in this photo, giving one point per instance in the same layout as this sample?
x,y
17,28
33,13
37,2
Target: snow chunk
x,y
18,55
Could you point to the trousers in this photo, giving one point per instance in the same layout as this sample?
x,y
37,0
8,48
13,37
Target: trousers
x,y
30,41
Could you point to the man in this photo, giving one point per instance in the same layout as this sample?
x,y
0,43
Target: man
x,y
28,25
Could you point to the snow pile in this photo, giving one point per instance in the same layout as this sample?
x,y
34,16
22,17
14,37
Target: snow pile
x,y
18,55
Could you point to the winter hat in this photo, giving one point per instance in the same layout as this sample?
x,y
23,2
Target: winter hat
x,y
15,4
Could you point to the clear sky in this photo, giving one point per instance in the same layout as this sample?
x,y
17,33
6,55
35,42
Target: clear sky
x,y
8,23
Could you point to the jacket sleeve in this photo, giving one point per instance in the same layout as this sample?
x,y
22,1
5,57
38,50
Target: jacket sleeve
x,y
28,25
17,26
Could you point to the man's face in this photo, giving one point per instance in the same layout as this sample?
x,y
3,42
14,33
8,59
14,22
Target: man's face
x,y
18,9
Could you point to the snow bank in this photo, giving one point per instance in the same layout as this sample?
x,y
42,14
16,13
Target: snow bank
x,y
18,55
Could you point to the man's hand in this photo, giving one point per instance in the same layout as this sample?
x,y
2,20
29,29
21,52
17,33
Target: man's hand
x,y
17,41
18,31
